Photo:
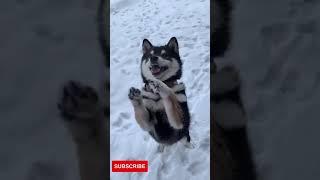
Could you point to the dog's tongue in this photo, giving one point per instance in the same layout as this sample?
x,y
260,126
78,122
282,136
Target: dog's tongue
x,y
155,69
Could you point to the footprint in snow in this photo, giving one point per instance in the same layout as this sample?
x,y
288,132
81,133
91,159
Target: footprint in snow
x,y
123,71
127,126
200,87
120,119
205,144
194,167
186,55
125,115
118,122
206,69
195,71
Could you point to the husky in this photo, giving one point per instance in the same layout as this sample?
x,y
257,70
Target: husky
x,y
161,106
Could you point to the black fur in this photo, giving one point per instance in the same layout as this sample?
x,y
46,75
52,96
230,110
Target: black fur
x,y
163,132
221,35
237,139
103,29
233,95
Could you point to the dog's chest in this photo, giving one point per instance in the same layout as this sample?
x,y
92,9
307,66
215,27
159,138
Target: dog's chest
x,y
154,105
154,102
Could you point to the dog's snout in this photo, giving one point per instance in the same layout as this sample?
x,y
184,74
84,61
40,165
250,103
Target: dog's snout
x,y
154,59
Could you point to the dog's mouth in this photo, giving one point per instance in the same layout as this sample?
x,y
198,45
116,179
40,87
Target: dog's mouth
x,y
157,70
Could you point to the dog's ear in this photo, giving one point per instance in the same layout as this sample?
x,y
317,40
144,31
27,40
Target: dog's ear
x,y
146,46
173,44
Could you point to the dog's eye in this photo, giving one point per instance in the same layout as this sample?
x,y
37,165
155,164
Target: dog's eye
x,y
165,55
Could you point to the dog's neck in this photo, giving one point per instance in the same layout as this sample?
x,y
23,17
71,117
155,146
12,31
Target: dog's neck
x,y
168,83
171,83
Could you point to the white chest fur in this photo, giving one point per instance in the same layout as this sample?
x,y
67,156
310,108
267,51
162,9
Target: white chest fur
x,y
155,103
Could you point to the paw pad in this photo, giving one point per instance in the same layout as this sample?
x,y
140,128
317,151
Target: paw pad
x,y
134,93
78,101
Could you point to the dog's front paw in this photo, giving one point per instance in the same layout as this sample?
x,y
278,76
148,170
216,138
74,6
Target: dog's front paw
x,y
160,88
78,102
135,95
81,110
154,86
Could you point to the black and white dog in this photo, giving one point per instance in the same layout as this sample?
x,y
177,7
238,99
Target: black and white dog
x,y
161,105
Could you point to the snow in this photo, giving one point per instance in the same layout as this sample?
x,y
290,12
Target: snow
x,y
276,47
131,22
43,44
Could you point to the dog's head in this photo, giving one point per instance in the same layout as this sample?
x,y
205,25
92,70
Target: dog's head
x,y
161,62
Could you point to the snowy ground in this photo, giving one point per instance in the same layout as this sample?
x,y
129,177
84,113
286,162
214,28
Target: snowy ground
x,y
276,47
131,22
43,44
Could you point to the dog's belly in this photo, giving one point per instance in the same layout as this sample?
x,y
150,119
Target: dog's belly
x,y
163,132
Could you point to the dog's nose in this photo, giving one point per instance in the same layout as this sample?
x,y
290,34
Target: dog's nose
x,y
154,59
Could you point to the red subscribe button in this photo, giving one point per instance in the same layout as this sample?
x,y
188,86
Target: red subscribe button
x,y
130,166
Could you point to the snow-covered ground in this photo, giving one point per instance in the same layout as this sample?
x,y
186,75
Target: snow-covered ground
x,y
131,22
43,44
276,47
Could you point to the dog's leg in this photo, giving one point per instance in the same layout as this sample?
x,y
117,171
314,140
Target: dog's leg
x,y
170,102
230,115
83,116
225,79
227,101
140,111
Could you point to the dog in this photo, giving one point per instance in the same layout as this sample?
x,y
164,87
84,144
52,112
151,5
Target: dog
x,y
161,106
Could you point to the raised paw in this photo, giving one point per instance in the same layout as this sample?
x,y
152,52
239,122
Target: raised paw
x,y
226,79
159,87
79,102
155,86
134,93
135,96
